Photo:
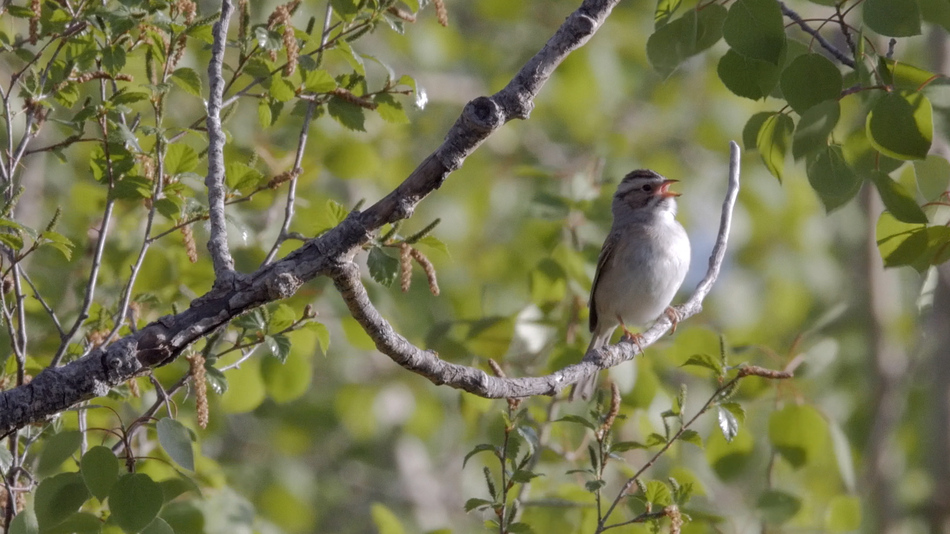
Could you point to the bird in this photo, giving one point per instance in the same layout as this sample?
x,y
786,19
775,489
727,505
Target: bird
x,y
641,266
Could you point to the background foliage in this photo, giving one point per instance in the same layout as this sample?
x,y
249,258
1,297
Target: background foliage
x,y
308,435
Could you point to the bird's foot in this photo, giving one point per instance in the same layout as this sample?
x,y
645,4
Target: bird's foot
x,y
630,337
674,316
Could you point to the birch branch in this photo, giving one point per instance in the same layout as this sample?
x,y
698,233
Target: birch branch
x,y
218,242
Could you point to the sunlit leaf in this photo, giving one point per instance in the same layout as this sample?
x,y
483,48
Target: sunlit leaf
x,y
900,125
772,142
188,80
897,199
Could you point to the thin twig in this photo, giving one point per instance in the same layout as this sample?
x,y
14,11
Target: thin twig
x,y
42,301
91,282
838,54
218,242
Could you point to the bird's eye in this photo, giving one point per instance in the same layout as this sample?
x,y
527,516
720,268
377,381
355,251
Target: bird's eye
x,y
647,188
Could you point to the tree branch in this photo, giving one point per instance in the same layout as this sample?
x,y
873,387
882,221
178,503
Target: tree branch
x,y
797,19
427,363
160,342
218,242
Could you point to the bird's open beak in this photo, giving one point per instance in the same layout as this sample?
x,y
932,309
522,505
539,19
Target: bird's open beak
x,y
664,190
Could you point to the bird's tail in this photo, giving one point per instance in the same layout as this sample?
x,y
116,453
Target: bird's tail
x,y
584,389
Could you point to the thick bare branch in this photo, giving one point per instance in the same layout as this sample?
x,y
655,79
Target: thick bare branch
x,y
161,341
218,243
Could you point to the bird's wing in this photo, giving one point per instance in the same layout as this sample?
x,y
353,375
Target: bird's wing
x,y
610,244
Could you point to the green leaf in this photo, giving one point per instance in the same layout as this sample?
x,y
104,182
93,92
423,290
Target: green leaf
x,y
25,521
705,360
915,245
346,9
523,476
281,90
171,207
481,447
332,214
20,12
216,379
113,59
664,12
750,132
578,420
135,501
435,244
241,177
281,318
814,128
900,125
132,188
176,439
799,434
175,486
318,81
57,498
685,37
78,523
728,423
323,335
351,57
254,321
623,446
832,178
268,39
778,507
894,18
348,114
180,158
382,267
158,526
658,493
747,77
754,29
691,436
933,176
477,504
390,110
809,80
264,114
897,199
59,448
188,80
278,345
904,76
100,470
772,142
128,97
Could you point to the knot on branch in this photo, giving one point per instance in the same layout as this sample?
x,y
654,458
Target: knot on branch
x,y
483,115
282,286
120,362
581,25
